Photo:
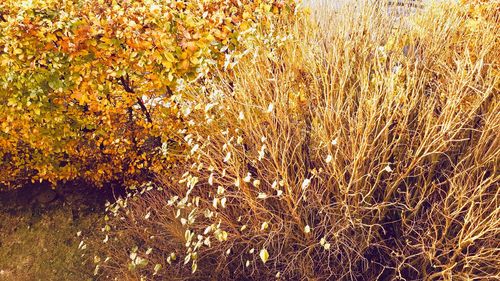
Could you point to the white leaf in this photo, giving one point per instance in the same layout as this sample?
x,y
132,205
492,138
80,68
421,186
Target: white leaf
x,y
262,195
270,108
194,267
307,229
220,190
195,148
264,255
211,179
329,158
248,178
264,225
388,169
306,183
157,268
228,156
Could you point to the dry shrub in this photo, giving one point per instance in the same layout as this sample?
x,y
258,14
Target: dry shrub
x,y
353,146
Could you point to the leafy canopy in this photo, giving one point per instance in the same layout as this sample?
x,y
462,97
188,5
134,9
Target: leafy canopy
x,y
91,88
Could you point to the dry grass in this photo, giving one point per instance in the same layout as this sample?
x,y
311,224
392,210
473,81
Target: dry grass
x,y
359,148
39,241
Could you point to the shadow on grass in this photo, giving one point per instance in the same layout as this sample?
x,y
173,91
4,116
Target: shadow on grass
x,y
39,226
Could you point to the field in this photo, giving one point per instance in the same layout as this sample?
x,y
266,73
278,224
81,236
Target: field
x,y
41,233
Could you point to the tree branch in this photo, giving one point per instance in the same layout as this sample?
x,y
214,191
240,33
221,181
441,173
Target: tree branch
x,y
144,109
126,85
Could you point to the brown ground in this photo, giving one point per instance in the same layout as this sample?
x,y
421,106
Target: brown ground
x,y
38,239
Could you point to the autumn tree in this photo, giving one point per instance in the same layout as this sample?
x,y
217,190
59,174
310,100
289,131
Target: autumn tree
x,y
93,88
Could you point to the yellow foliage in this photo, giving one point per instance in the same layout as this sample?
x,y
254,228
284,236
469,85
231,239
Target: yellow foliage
x,y
94,82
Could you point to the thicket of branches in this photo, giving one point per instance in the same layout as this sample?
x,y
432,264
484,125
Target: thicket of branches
x,y
349,145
